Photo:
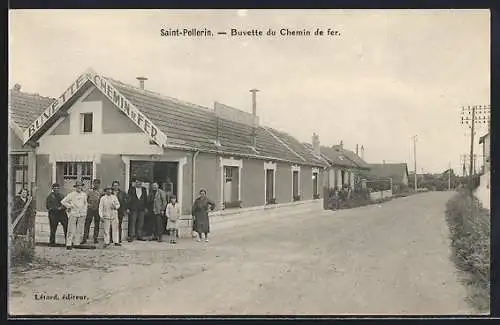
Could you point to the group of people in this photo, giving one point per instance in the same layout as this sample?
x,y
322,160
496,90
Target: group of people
x,y
107,208
77,210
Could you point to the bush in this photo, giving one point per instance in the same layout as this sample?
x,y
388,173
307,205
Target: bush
x,y
296,198
316,196
469,226
22,250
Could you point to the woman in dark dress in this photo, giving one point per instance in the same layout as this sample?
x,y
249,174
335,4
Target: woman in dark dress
x,y
201,222
28,219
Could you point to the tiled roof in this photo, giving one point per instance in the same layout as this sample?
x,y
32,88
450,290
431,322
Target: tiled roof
x,y
339,157
196,127
24,108
393,170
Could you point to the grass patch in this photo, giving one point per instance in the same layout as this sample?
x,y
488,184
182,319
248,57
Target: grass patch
x,y
469,226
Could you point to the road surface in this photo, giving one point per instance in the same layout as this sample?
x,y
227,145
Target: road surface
x,y
380,259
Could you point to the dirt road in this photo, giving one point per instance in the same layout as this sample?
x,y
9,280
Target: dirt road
x,y
388,259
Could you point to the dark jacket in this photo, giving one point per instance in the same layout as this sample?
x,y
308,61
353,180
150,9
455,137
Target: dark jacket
x,y
53,202
123,199
135,203
157,201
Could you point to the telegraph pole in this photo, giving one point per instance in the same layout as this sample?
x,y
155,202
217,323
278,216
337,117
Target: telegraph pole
x,y
415,138
472,115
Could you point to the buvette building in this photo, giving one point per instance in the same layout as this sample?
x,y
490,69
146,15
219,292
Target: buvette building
x,y
103,128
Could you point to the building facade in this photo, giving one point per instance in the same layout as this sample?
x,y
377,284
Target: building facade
x,y
102,128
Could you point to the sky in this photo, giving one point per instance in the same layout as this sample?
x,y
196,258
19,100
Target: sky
x,y
388,75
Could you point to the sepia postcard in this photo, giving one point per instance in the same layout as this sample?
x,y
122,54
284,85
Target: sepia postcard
x,y
249,162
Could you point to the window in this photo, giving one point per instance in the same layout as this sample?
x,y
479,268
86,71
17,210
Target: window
x,y
73,171
86,122
19,172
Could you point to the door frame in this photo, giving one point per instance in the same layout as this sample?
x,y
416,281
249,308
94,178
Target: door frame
x,y
269,166
229,162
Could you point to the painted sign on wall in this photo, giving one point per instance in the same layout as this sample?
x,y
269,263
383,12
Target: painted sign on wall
x,y
128,108
112,94
54,107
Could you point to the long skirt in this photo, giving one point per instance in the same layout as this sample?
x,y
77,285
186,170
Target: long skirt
x,y
202,224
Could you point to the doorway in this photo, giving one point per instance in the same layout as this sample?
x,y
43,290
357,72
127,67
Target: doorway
x,y
163,172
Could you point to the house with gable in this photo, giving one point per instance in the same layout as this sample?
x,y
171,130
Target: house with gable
x,y
396,172
103,128
344,166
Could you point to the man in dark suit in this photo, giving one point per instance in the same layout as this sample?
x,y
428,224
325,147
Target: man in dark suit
x,y
138,200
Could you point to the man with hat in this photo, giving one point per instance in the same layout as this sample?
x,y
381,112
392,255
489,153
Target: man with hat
x,y
57,213
76,205
108,211
94,196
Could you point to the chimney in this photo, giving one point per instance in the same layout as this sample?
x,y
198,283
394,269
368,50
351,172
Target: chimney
x,y
341,144
316,144
362,152
17,87
141,81
254,113
357,153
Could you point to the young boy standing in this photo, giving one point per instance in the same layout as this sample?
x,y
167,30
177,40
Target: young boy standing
x,y
173,213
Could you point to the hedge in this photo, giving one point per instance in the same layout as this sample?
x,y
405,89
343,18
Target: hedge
x,y
469,226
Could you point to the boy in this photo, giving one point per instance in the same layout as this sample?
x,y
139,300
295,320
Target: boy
x,y
108,212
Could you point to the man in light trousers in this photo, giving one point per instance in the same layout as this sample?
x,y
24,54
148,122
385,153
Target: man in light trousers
x,y
76,207
108,212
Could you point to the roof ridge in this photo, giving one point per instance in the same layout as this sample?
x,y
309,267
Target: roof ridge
x,y
159,95
283,143
12,91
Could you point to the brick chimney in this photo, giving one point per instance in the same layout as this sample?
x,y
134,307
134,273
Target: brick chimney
x,y
341,144
357,151
17,87
316,144
362,152
141,81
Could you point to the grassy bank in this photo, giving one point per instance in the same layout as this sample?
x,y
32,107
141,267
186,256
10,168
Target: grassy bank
x,y
469,227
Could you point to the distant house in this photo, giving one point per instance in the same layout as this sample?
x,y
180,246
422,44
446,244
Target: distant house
x,y
485,141
345,166
24,108
397,172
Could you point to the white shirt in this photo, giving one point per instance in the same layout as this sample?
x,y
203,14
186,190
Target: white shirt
x,y
108,206
76,203
138,192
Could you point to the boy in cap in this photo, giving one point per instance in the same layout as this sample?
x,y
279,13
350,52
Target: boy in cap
x,y
108,212
57,213
76,205
93,196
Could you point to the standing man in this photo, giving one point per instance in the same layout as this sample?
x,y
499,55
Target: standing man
x,y
76,205
57,213
94,196
123,200
157,203
108,211
138,201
